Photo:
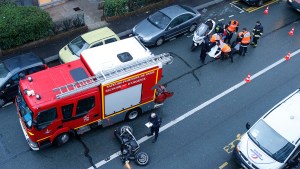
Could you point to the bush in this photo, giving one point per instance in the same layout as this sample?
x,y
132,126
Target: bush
x,y
121,7
20,25
115,7
68,23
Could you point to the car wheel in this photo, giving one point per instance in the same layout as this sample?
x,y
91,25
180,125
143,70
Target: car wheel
x,y
123,128
260,3
192,28
2,102
132,114
159,41
141,158
193,47
62,139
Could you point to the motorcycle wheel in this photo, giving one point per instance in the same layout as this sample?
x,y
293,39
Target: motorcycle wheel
x,y
142,159
193,47
123,128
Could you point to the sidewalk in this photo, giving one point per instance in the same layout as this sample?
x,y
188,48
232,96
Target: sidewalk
x,y
92,14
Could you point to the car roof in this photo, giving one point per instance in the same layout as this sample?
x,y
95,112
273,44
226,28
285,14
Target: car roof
x,y
285,118
98,34
22,61
173,11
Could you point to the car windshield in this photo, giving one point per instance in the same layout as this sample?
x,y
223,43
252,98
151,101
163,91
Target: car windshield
x,y
3,73
159,19
25,112
270,141
77,45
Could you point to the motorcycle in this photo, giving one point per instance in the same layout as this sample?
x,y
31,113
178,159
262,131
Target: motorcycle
x,y
204,29
130,147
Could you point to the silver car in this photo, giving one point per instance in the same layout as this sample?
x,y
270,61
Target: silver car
x,y
166,24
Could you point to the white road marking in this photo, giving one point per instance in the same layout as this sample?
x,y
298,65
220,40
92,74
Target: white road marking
x,y
241,10
201,106
230,16
9,103
221,20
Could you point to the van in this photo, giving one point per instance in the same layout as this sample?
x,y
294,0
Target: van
x,y
273,141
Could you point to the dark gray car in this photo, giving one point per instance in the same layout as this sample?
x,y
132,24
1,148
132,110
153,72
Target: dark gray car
x,y
12,69
166,24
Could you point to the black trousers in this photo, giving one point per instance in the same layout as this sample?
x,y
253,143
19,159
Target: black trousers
x,y
227,55
255,40
243,48
203,54
228,37
155,130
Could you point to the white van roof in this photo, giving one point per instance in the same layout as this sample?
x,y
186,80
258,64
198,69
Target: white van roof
x,y
108,56
285,117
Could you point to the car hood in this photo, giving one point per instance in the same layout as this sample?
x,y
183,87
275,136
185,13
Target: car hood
x,y
66,55
146,29
256,156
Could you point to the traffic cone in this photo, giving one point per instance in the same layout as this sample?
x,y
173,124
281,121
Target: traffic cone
x,y
291,32
248,78
266,11
288,56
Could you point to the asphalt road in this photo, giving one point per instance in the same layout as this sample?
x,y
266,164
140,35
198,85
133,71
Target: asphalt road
x,y
204,139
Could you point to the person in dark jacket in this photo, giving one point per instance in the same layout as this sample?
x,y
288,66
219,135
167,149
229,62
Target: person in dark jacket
x,y
205,47
257,32
156,122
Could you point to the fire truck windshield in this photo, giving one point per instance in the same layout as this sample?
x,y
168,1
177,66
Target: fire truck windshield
x,y
24,111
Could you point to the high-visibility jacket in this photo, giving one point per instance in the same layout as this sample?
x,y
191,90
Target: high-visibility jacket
x,y
225,48
233,27
245,36
215,37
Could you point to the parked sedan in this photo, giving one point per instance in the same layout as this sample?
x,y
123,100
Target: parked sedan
x,y
12,69
91,39
294,4
255,2
166,24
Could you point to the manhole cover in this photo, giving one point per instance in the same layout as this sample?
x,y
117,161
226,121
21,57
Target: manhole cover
x,y
77,9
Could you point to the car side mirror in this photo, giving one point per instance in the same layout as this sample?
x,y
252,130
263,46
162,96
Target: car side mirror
x,y
248,125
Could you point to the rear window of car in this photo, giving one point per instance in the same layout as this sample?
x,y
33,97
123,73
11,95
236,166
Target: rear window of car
x,y
110,40
188,9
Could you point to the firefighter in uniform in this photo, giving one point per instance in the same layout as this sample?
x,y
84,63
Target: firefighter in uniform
x,y
226,50
245,38
231,28
257,33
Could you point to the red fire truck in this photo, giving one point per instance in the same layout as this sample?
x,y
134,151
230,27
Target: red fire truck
x,y
106,85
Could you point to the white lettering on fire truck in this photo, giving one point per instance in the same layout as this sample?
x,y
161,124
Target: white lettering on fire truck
x,y
128,82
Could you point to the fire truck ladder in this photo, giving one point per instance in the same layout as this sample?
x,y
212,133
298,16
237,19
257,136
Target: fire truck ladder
x,y
82,85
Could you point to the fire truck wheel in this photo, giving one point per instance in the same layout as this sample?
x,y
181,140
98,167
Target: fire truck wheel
x,y
123,128
62,139
132,114
142,158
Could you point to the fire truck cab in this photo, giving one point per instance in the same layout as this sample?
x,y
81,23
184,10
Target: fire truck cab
x,y
109,84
